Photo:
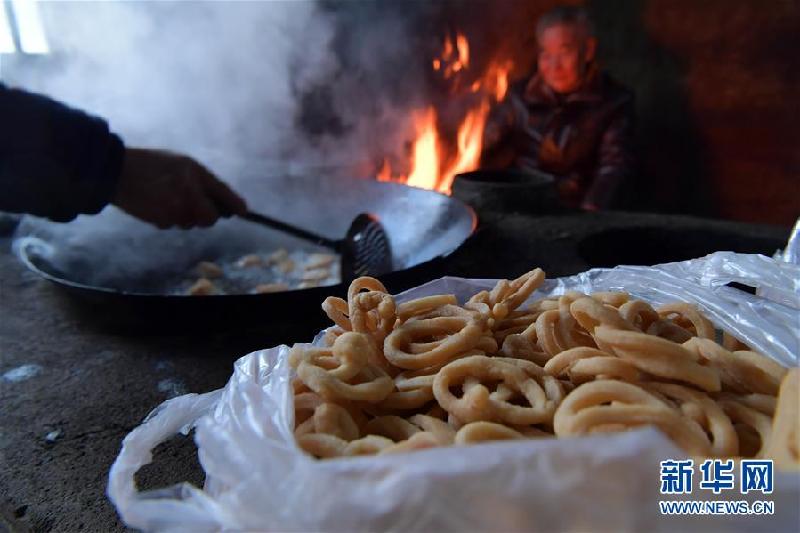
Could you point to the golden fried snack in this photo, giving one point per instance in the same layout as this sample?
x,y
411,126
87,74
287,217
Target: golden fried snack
x,y
612,298
516,322
327,446
590,313
731,343
475,432
477,404
331,335
373,313
510,295
658,357
281,254
742,372
407,399
487,344
321,445
209,270
362,284
395,378
519,346
688,317
415,387
553,388
667,329
558,330
784,443
428,342
613,405
342,361
250,260
392,427
298,387
316,275
352,352
584,364
763,403
286,266
417,441
424,305
337,310
202,287
640,314
429,424
373,386
760,423
305,403
702,409
569,330
320,260
525,345
548,335
369,445
334,420
545,304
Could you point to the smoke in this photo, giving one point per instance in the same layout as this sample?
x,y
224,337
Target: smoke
x,y
252,89
255,84
213,79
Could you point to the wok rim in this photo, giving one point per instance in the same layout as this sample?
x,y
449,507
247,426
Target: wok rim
x,y
29,259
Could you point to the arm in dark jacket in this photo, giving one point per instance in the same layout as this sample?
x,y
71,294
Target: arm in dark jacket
x,y
55,161
615,159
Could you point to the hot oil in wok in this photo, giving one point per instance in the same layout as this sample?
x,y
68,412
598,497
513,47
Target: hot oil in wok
x,y
260,273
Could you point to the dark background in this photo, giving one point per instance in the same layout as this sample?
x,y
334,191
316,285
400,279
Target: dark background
x,y
717,88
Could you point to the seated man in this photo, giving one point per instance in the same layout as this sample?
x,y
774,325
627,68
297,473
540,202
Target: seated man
x,y
569,119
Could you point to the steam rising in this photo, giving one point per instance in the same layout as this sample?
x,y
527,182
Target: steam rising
x,y
252,89
212,79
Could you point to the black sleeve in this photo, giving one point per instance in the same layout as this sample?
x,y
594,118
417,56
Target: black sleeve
x,y
55,161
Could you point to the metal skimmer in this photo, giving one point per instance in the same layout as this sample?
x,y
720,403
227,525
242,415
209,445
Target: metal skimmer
x,y
364,251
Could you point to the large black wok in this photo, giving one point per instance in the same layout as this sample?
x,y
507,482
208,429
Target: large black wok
x,y
124,270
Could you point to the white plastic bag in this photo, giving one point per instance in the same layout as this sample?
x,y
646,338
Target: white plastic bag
x,y
258,479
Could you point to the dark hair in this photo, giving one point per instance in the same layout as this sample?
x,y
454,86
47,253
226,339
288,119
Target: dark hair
x,y
572,15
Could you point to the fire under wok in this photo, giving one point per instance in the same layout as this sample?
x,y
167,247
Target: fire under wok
x,y
127,273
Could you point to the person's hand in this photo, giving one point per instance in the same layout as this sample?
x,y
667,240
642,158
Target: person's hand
x,y
167,189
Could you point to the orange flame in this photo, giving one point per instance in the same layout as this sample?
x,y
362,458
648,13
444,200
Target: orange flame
x,y
426,152
433,165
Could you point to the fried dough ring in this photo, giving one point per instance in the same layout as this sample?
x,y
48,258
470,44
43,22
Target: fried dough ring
x,y
477,403
373,313
403,348
688,314
658,357
590,313
332,384
476,432
392,427
741,414
586,364
704,411
417,441
337,310
423,305
640,314
741,372
583,411
784,443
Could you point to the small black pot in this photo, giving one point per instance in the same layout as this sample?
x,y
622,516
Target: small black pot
x,y
497,192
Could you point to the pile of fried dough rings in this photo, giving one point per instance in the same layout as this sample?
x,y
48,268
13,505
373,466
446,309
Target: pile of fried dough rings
x,y
394,377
